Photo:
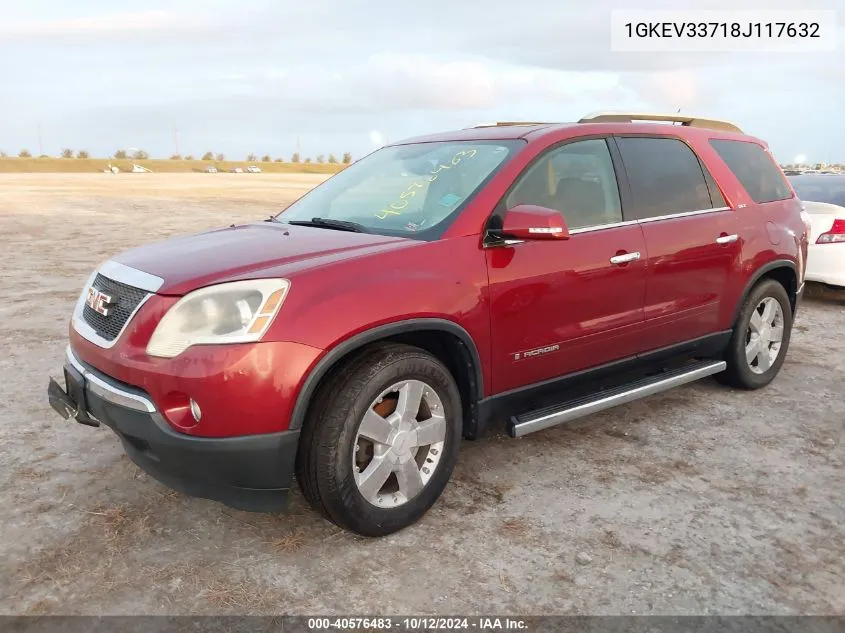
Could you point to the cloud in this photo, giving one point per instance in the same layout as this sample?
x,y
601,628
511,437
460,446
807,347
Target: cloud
x,y
420,83
114,23
670,89
252,75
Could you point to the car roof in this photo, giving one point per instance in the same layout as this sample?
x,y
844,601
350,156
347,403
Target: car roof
x,y
492,132
536,131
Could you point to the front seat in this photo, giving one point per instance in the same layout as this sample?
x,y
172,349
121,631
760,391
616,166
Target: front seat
x,y
581,201
534,189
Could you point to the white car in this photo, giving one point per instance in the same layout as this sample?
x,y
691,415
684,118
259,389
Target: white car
x,y
253,169
236,170
823,196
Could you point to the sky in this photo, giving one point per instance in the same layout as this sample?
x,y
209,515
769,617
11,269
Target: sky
x,y
331,76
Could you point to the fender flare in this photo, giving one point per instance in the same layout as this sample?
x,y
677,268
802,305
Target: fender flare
x,y
758,274
377,333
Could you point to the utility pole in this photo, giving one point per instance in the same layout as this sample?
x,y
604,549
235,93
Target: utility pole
x,y
40,142
176,140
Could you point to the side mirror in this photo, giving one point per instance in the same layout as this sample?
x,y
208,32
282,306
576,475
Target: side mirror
x,y
530,222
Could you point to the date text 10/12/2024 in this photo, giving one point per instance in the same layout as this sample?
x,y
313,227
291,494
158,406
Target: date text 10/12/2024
x,y
417,623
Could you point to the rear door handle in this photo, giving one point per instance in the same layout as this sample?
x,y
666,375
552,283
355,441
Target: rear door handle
x,y
727,239
624,258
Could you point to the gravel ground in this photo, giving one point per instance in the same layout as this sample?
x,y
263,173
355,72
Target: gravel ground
x,y
697,501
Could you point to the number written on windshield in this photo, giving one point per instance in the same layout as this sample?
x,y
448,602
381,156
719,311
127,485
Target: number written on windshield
x,y
396,207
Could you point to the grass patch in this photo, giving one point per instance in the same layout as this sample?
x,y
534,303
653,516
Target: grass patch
x,y
289,542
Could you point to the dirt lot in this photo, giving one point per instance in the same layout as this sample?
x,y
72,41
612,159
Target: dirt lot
x,y
701,500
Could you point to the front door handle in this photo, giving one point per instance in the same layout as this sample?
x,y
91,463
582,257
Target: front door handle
x,y
727,239
624,258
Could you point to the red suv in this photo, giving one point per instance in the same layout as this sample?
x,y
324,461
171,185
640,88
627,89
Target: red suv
x,y
528,272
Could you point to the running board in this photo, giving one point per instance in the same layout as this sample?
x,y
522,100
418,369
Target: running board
x,y
540,419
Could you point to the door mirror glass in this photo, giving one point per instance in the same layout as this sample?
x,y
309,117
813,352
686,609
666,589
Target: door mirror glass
x,y
531,222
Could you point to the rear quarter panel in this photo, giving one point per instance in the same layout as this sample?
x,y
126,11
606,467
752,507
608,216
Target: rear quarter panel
x,y
769,232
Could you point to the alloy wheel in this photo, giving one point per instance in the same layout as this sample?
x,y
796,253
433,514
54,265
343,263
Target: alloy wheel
x,y
399,443
764,335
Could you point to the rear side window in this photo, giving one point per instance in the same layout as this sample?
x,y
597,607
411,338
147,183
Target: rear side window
x,y
754,169
665,176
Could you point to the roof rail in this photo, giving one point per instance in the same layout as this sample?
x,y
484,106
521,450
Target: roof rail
x,y
507,123
689,121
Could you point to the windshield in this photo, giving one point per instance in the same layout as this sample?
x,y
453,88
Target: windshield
x,y
820,188
410,190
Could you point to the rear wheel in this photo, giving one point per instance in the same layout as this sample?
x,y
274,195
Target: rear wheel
x,y
381,441
760,338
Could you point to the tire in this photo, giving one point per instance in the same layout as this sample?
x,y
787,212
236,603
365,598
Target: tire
x,y
764,364
339,431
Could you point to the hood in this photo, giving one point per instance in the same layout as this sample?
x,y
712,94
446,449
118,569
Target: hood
x,y
239,252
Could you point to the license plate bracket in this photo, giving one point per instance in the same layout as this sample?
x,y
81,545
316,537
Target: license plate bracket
x,y
60,401
75,385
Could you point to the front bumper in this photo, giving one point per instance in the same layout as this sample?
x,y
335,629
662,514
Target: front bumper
x,y
250,472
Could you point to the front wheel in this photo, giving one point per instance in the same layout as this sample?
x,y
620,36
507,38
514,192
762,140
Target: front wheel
x,y
381,441
760,338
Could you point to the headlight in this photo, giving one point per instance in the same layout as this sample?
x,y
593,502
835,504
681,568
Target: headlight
x,y
236,312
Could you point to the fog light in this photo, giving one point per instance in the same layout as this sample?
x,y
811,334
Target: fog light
x,y
195,410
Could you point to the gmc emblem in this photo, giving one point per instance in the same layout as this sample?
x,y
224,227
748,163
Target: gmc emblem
x,y
98,301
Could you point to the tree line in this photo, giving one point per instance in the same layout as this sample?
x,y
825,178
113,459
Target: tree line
x,y
140,154
346,158
835,166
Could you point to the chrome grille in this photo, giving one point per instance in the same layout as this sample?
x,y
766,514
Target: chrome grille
x,y
125,299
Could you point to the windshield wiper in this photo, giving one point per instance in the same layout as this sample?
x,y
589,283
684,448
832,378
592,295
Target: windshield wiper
x,y
338,225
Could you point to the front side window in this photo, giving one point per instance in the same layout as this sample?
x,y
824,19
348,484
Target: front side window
x,y
410,190
665,175
754,168
576,179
